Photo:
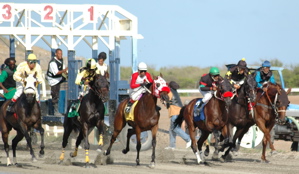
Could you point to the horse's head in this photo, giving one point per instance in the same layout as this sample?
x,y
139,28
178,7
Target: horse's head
x,y
160,88
30,84
279,100
101,87
223,91
250,85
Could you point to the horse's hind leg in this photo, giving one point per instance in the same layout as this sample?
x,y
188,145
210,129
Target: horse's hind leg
x,y
119,124
138,145
67,131
78,142
202,139
15,142
129,134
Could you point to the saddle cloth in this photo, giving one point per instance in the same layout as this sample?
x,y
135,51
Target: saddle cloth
x,y
201,115
130,116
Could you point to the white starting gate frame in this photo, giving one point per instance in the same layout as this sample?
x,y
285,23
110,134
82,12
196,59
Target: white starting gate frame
x,y
70,24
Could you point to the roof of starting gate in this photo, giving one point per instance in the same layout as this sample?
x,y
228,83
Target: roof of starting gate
x,y
67,24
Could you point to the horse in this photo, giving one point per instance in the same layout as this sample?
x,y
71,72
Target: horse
x,y
239,116
216,118
91,114
270,108
146,116
26,115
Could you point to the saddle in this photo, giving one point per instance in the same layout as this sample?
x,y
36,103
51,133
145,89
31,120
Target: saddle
x,y
130,116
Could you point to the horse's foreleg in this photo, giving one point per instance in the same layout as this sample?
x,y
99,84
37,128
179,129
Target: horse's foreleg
x,y
42,145
266,139
6,146
15,142
154,133
86,144
201,140
23,130
138,145
100,126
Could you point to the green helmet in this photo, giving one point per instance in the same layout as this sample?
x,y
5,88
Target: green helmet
x,y
214,71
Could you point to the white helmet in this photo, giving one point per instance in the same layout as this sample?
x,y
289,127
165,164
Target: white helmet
x,y
142,66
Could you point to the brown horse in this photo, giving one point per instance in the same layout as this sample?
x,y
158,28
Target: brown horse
x,y
216,119
91,114
146,117
26,115
270,108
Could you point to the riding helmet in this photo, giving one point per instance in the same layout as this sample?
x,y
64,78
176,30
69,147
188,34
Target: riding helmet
x,y
242,64
214,71
142,66
266,64
91,64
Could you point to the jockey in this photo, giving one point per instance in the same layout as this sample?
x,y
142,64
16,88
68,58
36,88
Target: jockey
x,y
138,81
207,85
30,67
86,75
236,75
264,74
102,67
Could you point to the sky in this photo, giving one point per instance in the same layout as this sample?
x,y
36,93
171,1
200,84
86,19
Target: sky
x,y
207,33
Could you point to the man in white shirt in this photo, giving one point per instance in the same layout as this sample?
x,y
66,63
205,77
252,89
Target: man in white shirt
x,y
55,77
102,67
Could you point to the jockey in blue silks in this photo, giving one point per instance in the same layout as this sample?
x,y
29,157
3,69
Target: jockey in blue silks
x,y
264,74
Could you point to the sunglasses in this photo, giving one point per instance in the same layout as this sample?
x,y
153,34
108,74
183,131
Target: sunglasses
x,y
141,71
32,61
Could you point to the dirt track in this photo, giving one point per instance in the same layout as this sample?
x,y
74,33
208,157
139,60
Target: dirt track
x,y
180,160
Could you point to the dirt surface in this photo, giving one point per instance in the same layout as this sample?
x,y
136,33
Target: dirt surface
x,y
180,160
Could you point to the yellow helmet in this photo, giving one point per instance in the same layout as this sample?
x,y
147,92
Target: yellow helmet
x,y
31,57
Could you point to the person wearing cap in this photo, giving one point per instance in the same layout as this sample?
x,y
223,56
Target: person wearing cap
x,y
236,75
7,83
55,77
30,67
264,74
86,76
138,81
207,85
102,67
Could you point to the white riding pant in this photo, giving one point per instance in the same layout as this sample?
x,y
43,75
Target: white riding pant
x,y
207,95
20,89
136,93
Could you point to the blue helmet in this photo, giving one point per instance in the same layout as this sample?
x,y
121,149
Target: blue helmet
x,y
266,64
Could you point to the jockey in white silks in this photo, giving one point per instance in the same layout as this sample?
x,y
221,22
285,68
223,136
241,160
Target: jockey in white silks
x,y
138,81
30,67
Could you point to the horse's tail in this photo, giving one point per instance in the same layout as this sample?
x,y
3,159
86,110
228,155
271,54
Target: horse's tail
x,y
179,120
68,121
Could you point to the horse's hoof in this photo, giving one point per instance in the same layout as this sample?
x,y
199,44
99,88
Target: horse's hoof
x,y
87,165
72,155
60,162
125,151
206,153
99,150
41,155
106,152
34,159
265,161
152,165
274,152
222,159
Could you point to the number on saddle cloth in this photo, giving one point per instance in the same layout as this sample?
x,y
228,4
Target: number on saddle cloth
x,y
73,112
201,115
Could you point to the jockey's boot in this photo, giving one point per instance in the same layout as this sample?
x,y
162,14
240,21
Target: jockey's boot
x,y
128,108
56,111
199,107
10,105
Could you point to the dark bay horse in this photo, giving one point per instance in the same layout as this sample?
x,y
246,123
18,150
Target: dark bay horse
x,y
239,116
91,114
146,117
26,115
216,119
270,108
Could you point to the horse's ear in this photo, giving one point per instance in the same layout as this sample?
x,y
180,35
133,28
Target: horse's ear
x,y
155,77
289,91
26,75
161,75
35,74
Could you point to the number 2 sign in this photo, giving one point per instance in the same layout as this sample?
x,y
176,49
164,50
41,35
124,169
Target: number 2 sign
x,y
48,13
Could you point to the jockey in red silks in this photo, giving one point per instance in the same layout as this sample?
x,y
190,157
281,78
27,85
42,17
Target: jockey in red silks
x,y
138,81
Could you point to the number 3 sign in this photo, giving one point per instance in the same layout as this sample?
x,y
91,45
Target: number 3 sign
x,y
6,12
